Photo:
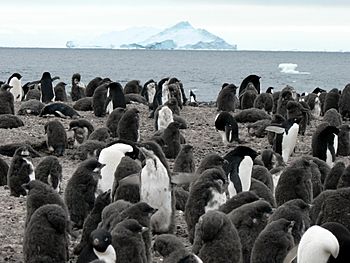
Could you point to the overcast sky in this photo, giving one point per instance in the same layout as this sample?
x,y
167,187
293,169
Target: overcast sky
x,y
252,25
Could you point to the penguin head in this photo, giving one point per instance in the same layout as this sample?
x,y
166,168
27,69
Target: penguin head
x,y
5,87
165,244
16,75
46,75
145,208
172,102
93,165
213,160
318,90
210,224
22,151
62,84
270,90
76,78
100,239
133,226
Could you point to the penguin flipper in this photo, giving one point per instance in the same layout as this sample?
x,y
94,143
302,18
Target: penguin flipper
x,y
179,178
133,179
275,129
292,254
228,133
60,114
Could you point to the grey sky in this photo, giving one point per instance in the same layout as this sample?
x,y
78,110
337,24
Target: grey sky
x,y
251,24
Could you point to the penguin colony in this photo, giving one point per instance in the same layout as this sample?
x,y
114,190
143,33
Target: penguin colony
x,y
107,186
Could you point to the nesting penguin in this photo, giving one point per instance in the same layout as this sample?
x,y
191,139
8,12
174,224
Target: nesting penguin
x,y
239,169
6,100
45,238
20,172
56,137
59,110
227,126
15,82
80,191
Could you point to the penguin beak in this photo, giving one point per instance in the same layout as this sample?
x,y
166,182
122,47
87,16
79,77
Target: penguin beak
x,y
96,242
144,229
25,187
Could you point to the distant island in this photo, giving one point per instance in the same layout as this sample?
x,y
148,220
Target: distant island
x,y
182,36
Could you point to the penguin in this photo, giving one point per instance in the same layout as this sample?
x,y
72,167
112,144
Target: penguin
x,y
101,134
78,88
211,160
56,137
274,242
333,117
163,117
322,166
237,201
260,189
217,239
92,220
264,101
49,171
171,248
318,245
15,82
285,138
9,121
99,247
99,99
184,161
294,210
254,80
318,90
59,110
21,171
239,169
10,149
30,107
314,103
262,174
47,91
82,123
40,194
227,126
171,138
133,86
127,241
344,108
342,235
206,193
317,204
60,91
296,111
79,194
271,159
128,126
275,97
344,180
6,100
110,157
45,238
334,175
331,100
295,182
111,212
325,143
173,105
3,172
270,90
156,188
83,104
251,115
158,96
149,91
343,140
33,93
226,98
193,97
115,97
181,121
88,149
285,96
257,128
249,220
113,120
92,86
248,96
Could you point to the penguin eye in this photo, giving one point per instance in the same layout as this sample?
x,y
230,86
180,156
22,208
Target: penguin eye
x,y
106,239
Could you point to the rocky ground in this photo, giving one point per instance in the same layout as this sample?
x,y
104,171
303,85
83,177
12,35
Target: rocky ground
x,y
201,134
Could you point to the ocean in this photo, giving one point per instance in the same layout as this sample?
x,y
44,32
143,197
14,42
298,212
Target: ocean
x,y
202,71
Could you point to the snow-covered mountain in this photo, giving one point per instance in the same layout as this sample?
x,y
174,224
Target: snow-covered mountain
x,y
180,36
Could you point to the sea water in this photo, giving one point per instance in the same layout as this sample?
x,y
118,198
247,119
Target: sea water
x,y
202,71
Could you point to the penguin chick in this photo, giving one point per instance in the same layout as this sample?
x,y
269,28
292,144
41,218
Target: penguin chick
x,y
271,159
99,247
7,100
128,126
227,126
60,91
211,160
100,134
45,238
30,107
264,101
226,98
110,212
274,242
237,201
113,121
56,137
184,161
20,172
251,115
207,193
332,117
49,171
171,138
80,191
334,175
343,140
89,149
82,123
3,172
217,239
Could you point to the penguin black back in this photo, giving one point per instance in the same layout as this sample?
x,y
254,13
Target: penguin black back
x,y
47,92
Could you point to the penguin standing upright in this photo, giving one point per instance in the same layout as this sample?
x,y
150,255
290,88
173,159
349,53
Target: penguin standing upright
x,y
49,171
227,126
331,100
20,172
239,169
171,138
226,100
248,96
47,91
56,137
128,126
78,88
163,117
60,91
325,143
15,82
285,138
6,100
113,120
254,80
115,97
92,85
99,100
184,161
149,91
80,191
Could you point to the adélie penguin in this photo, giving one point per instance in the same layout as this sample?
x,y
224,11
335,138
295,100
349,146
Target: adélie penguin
x,y
285,137
227,126
239,169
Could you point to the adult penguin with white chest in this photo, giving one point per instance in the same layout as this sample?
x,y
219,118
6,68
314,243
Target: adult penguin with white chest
x,y
15,82
239,169
156,188
6,100
227,126
47,91
149,91
115,97
285,137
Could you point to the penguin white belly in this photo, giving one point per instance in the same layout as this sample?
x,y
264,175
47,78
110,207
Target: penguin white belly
x,y
245,172
231,189
109,108
156,191
151,93
165,93
329,160
288,142
16,90
109,256
217,199
223,136
165,117
49,180
198,260
316,246
32,173
335,143
317,110
276,178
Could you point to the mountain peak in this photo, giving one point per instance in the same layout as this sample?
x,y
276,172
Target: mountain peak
x,y
182,24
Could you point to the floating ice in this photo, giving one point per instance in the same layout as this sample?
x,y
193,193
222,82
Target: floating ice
x,y
290,68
